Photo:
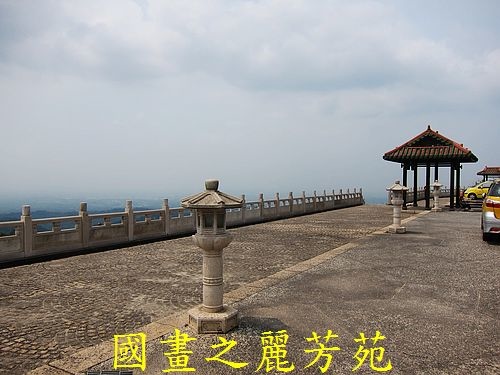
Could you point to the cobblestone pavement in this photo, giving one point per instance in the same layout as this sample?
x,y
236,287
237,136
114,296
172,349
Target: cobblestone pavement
x,y
49,310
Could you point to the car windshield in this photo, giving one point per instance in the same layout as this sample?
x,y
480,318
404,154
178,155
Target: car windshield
x,y
495,190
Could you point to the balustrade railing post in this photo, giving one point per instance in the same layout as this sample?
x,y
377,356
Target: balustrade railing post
x,y
333,198
129,211
304,207
27,230
315,199
290,202
166,213
277,204
85,224
261,206
243,209
56,226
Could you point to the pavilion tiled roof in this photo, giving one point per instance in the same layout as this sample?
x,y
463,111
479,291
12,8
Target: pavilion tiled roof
x,y
490,171
430,146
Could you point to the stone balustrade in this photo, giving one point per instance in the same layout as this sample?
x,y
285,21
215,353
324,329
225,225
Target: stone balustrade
x,y
40,237
420,194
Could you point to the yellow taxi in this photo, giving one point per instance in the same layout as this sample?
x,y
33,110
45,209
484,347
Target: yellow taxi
x,y
490,217
478,190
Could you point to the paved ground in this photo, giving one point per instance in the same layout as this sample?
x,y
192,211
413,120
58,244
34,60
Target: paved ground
x,y
432,292
53,309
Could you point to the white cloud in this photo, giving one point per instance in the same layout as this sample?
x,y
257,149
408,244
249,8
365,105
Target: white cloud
x,y
273,86
266,45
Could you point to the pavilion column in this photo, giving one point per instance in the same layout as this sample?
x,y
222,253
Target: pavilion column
x,y
405,182
415,187
458,186
436,172
452,189
428,186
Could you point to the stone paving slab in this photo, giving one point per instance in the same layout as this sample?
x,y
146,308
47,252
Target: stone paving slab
x,y
433,293
52,310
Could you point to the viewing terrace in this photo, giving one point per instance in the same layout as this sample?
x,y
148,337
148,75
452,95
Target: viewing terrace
x,y
336,269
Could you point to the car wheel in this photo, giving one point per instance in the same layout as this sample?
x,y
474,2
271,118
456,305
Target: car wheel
x,y
472,196
486,236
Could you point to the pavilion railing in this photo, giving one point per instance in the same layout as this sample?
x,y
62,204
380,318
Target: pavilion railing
x,y
445,192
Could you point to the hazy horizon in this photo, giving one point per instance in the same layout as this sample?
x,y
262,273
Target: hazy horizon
x,y
54,203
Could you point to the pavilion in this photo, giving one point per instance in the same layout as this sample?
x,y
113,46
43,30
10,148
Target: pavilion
x,y
488,172
427,149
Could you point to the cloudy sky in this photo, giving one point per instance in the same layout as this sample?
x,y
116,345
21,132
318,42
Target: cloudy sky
x,y
150,97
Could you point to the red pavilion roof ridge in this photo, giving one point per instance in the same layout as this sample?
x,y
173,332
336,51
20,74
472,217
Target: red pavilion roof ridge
x,y
435,134
446,149
489,171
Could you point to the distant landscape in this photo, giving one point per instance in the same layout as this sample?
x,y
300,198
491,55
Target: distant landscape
x,y
69,207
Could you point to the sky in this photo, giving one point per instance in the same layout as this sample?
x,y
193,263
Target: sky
x,y
138,98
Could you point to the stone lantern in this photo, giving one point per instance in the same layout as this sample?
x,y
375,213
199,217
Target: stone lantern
x,y
397,201
210,207
437,188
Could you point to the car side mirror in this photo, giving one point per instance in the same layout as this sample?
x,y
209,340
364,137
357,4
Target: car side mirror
x,y
483,195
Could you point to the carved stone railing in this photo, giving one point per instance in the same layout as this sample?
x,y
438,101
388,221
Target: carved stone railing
x,y
30,237
445,192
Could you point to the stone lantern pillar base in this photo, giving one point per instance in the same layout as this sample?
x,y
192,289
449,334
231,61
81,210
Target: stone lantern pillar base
x,y
436,209
210,322
397,229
